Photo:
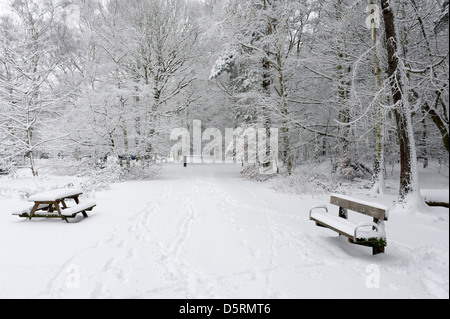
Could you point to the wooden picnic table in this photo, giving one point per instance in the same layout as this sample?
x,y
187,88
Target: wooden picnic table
x,y
52,204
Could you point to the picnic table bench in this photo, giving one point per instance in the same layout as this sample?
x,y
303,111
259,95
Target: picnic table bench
x,y
371,234
52,204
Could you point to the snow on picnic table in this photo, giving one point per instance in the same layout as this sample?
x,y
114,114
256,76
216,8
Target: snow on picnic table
x,y
54,195
204,232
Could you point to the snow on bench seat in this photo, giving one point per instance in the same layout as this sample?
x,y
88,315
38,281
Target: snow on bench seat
x,y
348,228
78,208
341,224
28,209
54,195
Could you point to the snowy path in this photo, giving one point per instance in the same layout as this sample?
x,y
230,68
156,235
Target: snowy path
x,y
203,232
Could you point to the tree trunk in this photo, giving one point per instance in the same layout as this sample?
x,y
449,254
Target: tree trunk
x,y
266,82
378,171
287,154
424,141
440,124
343,88
408,157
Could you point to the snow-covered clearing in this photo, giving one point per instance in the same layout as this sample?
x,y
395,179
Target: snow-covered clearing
x,y
205,232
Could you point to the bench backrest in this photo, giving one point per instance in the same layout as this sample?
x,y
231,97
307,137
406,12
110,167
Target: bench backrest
x,y
375,211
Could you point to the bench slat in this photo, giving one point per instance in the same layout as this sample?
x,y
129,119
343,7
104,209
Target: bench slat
x,y
375,211
68,212
345,227
340,225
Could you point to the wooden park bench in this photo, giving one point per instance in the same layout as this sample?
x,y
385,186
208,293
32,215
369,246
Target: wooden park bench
x,y
371,234
436,197
52,204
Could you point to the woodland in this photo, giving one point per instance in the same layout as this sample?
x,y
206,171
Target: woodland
x,y
360,84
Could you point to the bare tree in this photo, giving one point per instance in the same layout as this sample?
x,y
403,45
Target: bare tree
x,y
408,158
28,64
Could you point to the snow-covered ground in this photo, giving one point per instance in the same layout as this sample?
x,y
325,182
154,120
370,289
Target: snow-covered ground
x,y
205,232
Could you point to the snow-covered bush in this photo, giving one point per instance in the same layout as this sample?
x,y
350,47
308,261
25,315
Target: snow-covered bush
x,y
345,169
253,173
348,168
100,178
316,180
223,64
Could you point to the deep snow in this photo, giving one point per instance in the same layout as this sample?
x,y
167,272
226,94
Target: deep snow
x,y
205,232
